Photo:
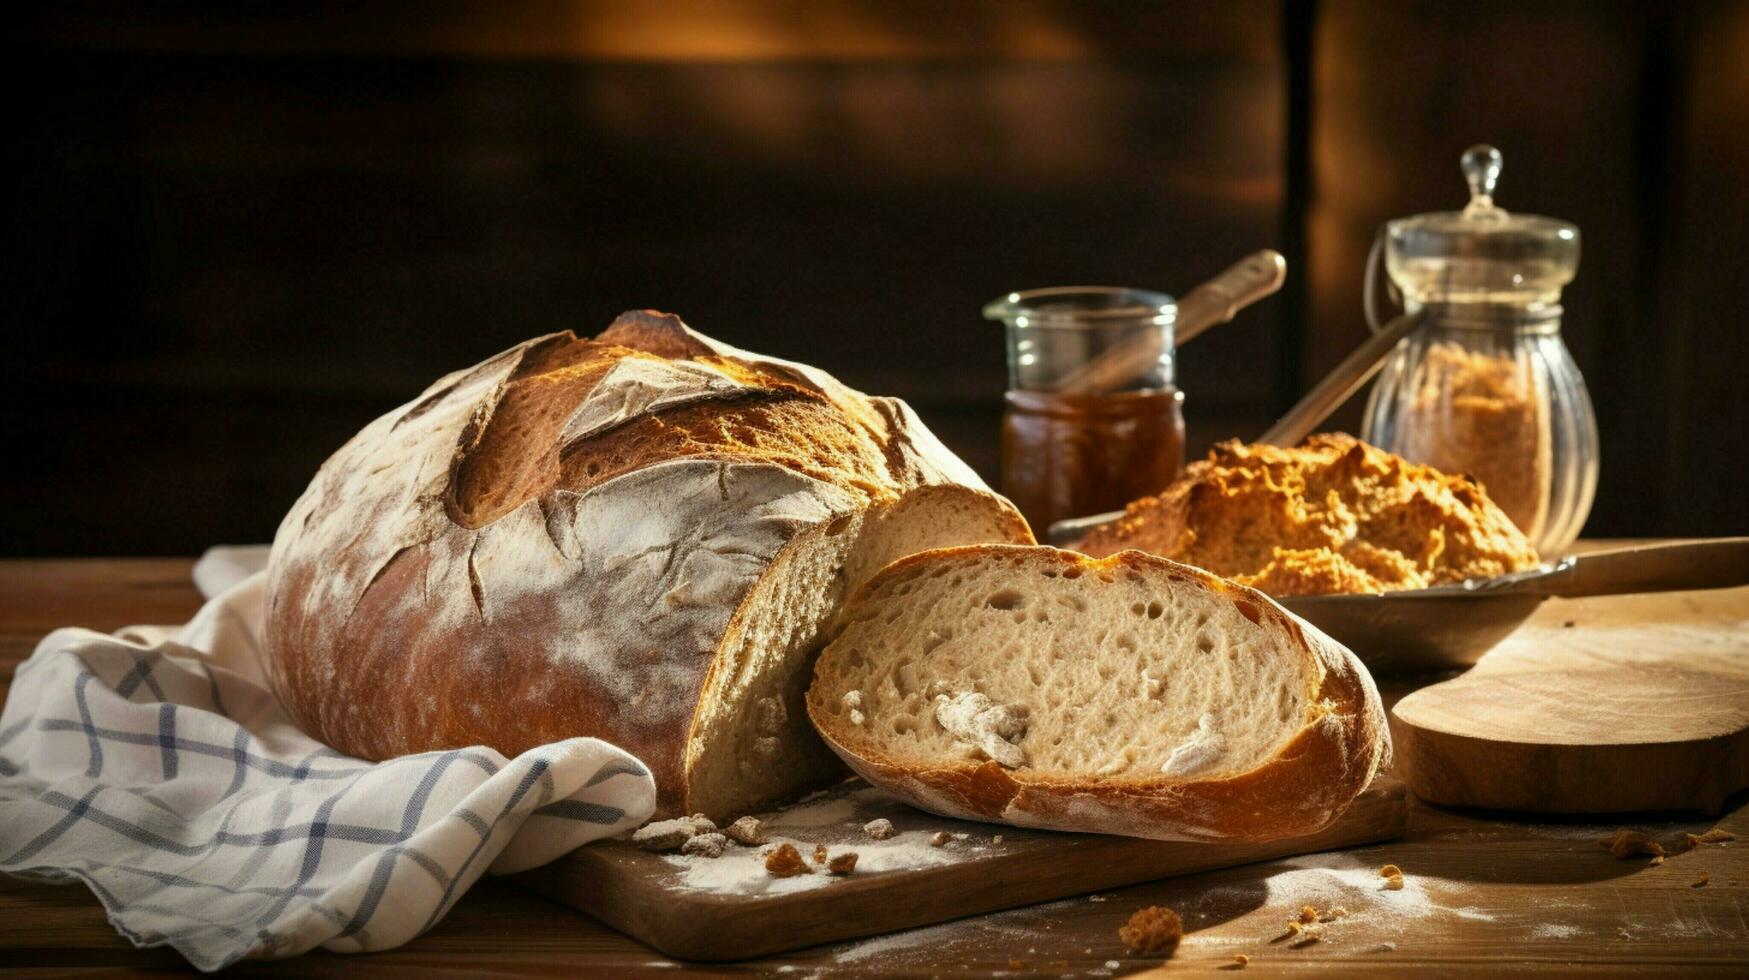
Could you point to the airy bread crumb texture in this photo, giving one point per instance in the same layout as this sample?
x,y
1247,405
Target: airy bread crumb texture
x,y
1333,515
1024,663
1153,931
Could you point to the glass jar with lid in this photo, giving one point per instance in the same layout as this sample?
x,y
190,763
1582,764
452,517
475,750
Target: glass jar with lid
x,y
1485,386
1092,418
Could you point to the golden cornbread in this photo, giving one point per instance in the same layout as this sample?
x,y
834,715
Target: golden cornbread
x,y
1331,515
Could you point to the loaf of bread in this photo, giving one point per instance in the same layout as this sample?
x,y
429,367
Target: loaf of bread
x,y
1127,695
636,537
1332,515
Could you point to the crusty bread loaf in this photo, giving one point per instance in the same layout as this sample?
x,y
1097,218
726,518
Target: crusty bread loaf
x,y
1331,515
636,537
1130,695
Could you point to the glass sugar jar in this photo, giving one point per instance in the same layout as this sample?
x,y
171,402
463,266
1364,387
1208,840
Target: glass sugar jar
x,y
1485,385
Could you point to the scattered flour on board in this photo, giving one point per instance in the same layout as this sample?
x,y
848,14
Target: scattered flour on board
x,y
741,870
1335,878
1555,930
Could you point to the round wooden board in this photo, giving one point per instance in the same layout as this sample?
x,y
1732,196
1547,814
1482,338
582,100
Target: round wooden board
x,y
1593,739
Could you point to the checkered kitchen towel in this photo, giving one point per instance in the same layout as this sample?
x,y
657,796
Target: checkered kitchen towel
x,y
154,766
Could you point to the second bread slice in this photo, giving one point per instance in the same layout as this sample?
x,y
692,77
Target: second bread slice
x,y
1127,695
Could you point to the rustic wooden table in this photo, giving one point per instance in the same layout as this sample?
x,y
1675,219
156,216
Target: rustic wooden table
x,y
1487,893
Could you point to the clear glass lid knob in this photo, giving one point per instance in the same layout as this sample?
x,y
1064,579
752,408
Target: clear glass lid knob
x,y
1484,253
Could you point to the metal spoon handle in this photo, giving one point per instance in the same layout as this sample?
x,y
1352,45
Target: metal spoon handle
x,y
1329,394
1210,304
1718,563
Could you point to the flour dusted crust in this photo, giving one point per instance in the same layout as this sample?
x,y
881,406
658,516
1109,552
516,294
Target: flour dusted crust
x,y
1333,515
1309,780
563,539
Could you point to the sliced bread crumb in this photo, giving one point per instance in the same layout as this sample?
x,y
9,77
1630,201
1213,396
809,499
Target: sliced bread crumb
x,y
784,861
747,830
1155,931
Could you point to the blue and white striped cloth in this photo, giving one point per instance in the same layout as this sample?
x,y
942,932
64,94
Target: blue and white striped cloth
x,y
155,766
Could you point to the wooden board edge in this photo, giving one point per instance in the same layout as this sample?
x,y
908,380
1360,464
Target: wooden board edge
x,y
703,927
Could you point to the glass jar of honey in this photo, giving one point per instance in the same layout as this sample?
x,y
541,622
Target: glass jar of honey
x,y
1093,420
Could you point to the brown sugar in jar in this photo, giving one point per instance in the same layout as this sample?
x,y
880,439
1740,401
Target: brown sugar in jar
x,y
1481,413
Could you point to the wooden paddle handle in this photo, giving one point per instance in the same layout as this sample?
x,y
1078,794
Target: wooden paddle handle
x,y
1717,563
1213,303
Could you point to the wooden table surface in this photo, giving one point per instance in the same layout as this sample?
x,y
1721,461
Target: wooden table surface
x,y
1489,893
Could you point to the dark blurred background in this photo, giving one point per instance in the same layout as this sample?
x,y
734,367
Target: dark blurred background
x,y
238,233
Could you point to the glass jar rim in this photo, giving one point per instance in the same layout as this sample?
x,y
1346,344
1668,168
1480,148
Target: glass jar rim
x,y
1077,306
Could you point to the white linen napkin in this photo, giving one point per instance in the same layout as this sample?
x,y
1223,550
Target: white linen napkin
x,y
155,766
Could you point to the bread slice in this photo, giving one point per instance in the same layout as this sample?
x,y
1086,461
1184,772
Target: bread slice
x,y
1126,695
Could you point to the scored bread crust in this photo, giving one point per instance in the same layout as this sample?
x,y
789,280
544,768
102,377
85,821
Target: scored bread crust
x,y
563,540
1303,787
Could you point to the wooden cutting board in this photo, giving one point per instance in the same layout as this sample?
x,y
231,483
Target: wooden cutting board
x,y
1597,706
729,908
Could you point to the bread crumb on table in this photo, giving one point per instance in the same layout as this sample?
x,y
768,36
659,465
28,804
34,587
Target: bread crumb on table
x,y
706,845
1308,914
1624,844
1713,836
784,861
1332,913
819,854
1154,930
1704,878
1657,859
1241,961
881,829
666,835
842,864
996,839
747,830
941,837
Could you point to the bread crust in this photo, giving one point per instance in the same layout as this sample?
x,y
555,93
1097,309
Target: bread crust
x,y
1303,788
460,574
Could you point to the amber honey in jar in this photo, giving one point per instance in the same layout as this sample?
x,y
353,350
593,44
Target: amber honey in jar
x,y
1092,419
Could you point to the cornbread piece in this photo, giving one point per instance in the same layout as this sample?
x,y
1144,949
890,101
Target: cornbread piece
x,y
706,845
746,830
881,829
1161,701
1624,844
784,861
1308,914
842,864
819,854
1333,515
1241,961
1154,931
